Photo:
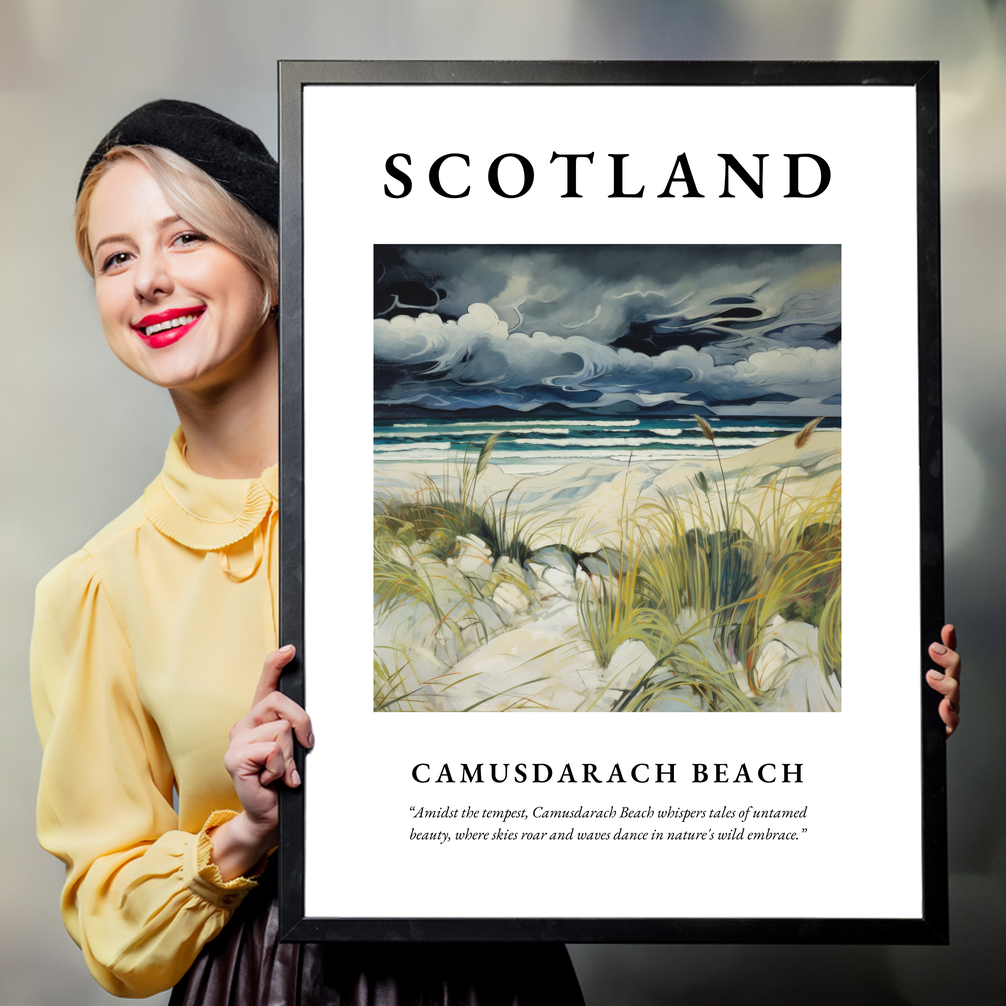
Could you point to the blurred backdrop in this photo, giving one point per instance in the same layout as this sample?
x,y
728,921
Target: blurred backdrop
x,y
83,437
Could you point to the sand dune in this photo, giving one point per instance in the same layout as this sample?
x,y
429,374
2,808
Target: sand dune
x,y
490,634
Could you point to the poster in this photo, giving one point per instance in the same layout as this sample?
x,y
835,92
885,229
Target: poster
x,y
575,399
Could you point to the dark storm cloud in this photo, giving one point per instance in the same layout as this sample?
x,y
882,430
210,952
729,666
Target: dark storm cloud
x,y
729,323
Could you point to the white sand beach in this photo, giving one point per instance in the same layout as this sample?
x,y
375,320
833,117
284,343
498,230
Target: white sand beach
x,y
459,626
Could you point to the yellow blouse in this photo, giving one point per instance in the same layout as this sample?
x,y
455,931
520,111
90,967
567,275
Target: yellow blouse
x,y
147,647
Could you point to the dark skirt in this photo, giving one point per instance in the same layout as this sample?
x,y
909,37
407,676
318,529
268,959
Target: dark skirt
x,y
246,965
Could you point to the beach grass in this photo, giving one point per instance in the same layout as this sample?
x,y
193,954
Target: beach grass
x,y
701,576
720,567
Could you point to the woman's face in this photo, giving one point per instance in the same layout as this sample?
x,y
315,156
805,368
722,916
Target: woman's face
x,y
177,308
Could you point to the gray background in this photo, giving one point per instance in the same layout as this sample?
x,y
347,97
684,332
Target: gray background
x,y
82,436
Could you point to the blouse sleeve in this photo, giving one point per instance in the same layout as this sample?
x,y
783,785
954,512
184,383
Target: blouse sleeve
x,y
141,898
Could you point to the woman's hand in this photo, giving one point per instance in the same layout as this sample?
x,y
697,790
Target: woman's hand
x,y
947,682
260,753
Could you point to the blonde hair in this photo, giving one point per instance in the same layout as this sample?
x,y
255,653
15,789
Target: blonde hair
x,y
199,200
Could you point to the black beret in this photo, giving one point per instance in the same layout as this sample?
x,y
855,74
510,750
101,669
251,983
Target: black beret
x,y
230,154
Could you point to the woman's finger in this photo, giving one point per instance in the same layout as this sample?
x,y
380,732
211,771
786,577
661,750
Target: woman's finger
x,y
944,684
271,671
274,767
278,732
949,660
950,716
949,708
276,706
947,680
949,636
261,760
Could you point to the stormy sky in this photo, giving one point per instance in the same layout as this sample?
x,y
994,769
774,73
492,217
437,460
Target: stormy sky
x,y
737,328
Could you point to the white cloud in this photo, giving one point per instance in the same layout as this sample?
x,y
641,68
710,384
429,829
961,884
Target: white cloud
x,y
478,351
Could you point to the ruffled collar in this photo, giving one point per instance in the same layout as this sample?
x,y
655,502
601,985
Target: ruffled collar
x,y
203,513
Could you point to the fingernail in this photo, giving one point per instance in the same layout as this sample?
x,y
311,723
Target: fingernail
x,y
936,675
310,740
286,649
938,648
295,777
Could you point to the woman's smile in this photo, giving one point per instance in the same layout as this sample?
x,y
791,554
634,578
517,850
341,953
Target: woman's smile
x,y
166,327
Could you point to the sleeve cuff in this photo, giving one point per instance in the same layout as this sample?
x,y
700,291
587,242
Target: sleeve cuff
x,y
202,876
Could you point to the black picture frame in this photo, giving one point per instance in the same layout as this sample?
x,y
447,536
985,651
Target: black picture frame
x,y
931,926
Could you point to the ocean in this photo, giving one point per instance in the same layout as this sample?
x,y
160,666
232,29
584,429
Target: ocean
x,y
528,445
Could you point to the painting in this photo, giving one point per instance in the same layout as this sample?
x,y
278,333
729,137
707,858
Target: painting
x,y
607,478
568,427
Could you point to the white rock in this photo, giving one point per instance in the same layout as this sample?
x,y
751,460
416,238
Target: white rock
x,y
559,580
511,599
592,585
505,566
537,568
678,700
628,663
788,668
473,557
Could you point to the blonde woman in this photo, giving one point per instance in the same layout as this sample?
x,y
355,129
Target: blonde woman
x,y
165,736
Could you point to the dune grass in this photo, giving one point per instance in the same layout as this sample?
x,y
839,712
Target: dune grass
x,y
699,576
438,513
703,576
436,520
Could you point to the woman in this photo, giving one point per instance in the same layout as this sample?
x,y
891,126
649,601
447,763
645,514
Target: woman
x,y
148,643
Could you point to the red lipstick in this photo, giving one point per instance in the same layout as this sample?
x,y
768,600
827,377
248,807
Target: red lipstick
x,y
166,327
